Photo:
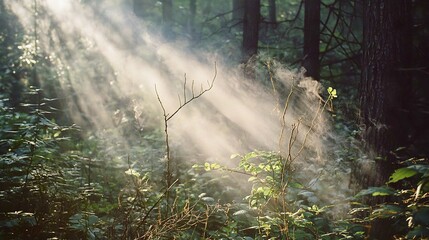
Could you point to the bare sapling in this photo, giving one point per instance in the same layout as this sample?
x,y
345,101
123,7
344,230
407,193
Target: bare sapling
x,y
186,99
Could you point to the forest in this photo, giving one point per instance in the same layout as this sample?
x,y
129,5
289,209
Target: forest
x,y
199,119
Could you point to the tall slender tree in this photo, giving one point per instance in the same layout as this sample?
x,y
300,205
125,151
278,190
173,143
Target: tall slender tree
x,y
250,28
272,13
385,88
192,14
311,38
250,35
167,18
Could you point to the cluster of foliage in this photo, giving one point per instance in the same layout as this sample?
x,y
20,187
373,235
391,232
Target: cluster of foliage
x,y
57,184
405,203
52,187
59,181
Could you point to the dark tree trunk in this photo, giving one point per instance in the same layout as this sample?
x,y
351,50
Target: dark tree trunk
x,y
250,28
385,89
312,38
250,36
272,13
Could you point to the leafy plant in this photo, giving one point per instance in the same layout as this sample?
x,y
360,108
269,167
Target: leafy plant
x,y
407,202
35,170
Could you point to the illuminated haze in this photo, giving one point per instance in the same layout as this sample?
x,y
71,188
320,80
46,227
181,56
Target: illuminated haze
x,y
236,116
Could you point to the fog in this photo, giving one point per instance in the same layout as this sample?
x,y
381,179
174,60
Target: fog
x,y
236,116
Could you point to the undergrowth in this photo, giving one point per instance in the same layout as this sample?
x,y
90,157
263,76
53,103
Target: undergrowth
x,y
106,188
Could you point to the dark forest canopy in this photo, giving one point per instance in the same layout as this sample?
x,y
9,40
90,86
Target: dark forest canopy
x,y
195,119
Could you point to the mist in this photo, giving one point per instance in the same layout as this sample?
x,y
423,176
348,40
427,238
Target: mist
x,y
236,116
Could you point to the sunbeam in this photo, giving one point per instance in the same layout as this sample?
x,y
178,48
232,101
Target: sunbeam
x,y
108,55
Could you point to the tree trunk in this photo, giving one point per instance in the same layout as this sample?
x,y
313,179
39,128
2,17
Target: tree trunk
x,y
312,38
385,89
250,28
250,36
192,14
167,18
272,13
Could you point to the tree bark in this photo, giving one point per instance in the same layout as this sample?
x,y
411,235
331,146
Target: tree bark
x,y
250,36
272,13
312,38
250,28
385,90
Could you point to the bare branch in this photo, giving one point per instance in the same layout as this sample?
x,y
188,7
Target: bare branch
x,y
194,96
167,117
160,102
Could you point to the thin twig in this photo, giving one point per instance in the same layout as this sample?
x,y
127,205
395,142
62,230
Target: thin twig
x,y
155,204
194,96
167,117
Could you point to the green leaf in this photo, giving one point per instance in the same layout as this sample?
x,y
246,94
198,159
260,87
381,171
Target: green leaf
x,y
250,156
208,199
253,178
215,166
420,168
132,172
332,92
92,219
386,211
402,173
376,191
197,166
239,212
76,217
418,232
296,185
207,166
202,195
421,216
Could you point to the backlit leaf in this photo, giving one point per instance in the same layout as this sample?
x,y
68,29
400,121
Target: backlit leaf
x,y
332,92
402,173
240,212
208,199
132,172
207,166
376,191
